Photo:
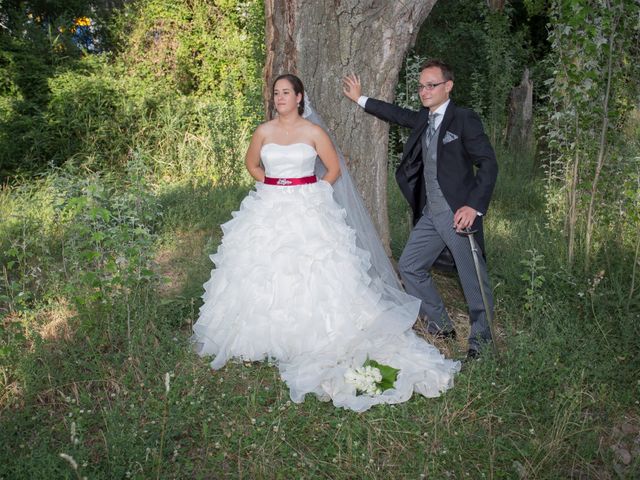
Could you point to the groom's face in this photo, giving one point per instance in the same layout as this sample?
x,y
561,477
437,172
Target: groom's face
x,y
439,94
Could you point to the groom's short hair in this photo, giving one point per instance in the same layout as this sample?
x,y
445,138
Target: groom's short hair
x,y
447,71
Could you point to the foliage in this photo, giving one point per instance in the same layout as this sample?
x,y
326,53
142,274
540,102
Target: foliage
x,y
592,92
488,50
99,237
534,280
185,71
190,45
505,57
35,44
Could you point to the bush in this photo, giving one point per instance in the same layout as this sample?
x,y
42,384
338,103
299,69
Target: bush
x,y
182,91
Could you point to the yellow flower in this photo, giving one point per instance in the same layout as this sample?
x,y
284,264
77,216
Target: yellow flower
x,y
82,22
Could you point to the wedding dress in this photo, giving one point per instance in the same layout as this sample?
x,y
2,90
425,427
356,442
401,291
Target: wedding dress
x,y
291,284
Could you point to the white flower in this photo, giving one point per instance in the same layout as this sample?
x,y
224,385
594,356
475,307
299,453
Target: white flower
x,y
373,373
365,379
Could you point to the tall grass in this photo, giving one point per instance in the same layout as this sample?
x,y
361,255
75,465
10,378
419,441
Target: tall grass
x,y
101,282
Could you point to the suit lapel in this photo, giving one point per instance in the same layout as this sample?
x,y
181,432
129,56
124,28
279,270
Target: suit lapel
x,y
416,133
444,126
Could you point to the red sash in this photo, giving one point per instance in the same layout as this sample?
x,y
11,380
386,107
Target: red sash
x,y
288,182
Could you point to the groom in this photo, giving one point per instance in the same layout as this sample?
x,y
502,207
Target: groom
x,y
447,174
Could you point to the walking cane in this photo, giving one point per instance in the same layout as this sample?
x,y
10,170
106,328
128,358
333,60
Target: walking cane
x,y
474,250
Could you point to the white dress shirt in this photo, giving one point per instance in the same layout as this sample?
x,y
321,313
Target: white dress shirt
x,y
440,111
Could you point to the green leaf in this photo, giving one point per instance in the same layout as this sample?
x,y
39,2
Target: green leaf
x,y
98,236
389,374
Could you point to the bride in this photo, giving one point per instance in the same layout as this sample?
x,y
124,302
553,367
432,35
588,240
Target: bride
x,y
301,276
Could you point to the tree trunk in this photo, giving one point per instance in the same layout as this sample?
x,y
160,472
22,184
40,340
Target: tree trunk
x,y
323,40
520,121
601,150
496,5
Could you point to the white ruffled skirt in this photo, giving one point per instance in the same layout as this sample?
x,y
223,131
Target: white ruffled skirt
x,y
291,285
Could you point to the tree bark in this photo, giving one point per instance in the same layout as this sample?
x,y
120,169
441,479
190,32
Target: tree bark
x,y
520,120
496,5
323,40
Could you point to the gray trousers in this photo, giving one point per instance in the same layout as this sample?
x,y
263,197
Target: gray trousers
x,y
426,241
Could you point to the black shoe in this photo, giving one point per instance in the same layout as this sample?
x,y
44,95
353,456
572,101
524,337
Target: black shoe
x,y
472,355
442,335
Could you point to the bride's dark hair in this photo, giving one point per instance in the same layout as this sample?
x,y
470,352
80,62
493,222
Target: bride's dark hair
x,y
297,87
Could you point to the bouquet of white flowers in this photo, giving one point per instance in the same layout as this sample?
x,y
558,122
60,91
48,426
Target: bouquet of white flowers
x,y
372,378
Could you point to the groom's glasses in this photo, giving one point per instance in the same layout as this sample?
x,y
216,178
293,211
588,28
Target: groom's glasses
x,y
429,86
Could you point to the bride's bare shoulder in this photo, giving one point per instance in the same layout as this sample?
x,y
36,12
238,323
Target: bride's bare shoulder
x,y
309,124
317,131
264,130
265,127
269,125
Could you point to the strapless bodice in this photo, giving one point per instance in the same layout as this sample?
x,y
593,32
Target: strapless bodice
x,y
288,161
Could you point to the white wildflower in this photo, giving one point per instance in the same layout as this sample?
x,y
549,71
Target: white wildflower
x,y
365,379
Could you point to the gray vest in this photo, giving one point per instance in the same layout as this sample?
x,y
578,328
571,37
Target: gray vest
x,y
436,203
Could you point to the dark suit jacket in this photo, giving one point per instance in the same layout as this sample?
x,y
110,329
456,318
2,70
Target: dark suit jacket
x,y
460,182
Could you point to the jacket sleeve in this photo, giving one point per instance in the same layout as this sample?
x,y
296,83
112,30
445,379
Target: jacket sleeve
x,y
479,149
391,113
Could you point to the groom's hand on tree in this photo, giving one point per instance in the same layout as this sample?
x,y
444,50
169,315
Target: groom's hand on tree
x,y
464,218
351,87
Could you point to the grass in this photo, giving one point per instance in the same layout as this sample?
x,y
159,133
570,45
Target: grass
x,y
88,378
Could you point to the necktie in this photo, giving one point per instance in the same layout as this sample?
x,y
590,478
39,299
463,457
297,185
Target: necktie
x,y
431,129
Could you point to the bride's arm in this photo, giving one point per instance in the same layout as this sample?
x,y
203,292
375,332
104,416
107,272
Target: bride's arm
x,y
327,154
252,159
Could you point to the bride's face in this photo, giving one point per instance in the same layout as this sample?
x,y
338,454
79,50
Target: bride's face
x,y
284,97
